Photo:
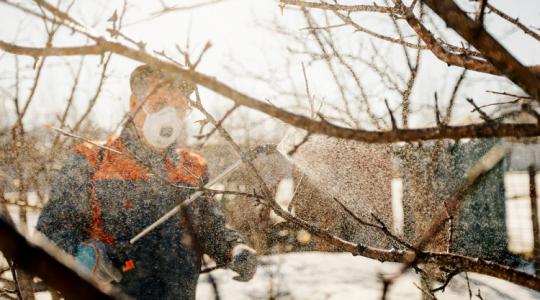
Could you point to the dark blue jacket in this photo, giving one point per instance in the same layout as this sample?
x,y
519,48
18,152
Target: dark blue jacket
x,y
102,195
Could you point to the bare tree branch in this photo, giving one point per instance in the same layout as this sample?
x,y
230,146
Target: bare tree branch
x,y
322,127
34,259
338,7
53,51
494,52
514,21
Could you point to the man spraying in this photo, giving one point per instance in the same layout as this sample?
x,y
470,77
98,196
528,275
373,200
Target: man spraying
x,y
103,196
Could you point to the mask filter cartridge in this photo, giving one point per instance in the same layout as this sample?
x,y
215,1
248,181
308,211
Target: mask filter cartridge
x,y
161,128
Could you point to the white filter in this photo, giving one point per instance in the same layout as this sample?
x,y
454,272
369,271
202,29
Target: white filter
x,y
162,128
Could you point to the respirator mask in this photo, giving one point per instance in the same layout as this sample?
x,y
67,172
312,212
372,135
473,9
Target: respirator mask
x,y
161,128
162,124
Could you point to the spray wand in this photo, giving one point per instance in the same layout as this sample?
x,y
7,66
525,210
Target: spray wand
x,y
128,264
249,156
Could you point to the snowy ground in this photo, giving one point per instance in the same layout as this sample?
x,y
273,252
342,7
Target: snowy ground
x,y
315,275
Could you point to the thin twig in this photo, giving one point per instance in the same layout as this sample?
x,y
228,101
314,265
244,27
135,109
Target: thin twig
x,y
298,145
84,139
514,21
483,115
446,281
392,118
437,112
381,226
468,285
509,94
480,14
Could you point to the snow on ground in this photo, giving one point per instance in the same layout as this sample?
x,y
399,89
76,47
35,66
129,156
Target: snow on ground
x,y
316,275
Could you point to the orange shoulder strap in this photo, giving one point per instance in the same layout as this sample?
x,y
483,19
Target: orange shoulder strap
x,y
94,156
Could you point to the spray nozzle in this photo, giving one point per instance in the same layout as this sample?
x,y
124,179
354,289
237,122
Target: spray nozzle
x,y
266,149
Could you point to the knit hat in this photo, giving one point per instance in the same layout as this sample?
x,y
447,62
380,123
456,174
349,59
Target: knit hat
x,y
143,75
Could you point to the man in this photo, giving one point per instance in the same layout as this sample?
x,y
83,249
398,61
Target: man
x,y
103,196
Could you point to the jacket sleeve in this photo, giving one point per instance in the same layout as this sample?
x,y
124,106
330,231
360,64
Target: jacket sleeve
x,y
213,235
66,217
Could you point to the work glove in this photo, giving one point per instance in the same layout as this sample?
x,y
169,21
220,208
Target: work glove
x,y
243,262
92,256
